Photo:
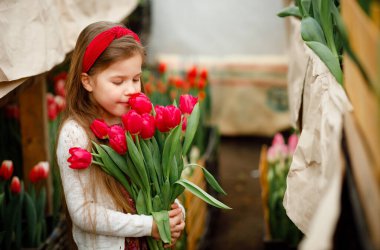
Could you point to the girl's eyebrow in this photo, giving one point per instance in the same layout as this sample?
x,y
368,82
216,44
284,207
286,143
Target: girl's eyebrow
x,y
124,76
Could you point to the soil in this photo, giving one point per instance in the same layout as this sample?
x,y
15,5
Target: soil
x,y
241,227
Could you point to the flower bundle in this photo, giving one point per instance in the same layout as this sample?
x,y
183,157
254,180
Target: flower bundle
x,y
146,156
22,220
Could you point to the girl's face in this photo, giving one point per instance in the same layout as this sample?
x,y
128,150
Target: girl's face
x,y
112,87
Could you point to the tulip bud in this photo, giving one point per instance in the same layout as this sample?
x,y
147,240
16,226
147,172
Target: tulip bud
x,y
292,144
99,128
15,185
117,139
52,107
140,103
39,172
278,139
187,103
204,74
172,116
161,68
80,158
132,122
6,169
148,127
61,102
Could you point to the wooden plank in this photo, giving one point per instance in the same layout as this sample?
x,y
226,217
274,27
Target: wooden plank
x,y
364,37
367,185
263,168
34,128
366,112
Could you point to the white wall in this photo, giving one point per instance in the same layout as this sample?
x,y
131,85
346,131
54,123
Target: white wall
x,y
216,27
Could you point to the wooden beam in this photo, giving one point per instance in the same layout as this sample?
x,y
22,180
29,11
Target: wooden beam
x,y
34,128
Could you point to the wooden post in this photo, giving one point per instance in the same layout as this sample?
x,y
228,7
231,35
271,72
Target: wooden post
x,y
34,129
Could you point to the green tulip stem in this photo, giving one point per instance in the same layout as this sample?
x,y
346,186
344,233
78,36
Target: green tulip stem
x,y
98,163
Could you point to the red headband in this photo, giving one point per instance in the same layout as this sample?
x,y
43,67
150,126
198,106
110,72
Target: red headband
x,y
101,42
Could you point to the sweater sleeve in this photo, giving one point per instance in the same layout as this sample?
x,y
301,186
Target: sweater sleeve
x,y
81,208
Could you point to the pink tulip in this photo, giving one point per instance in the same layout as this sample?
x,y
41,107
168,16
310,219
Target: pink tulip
x,y
15,185
172,116
140,103
6,169
80,158
159,119
99,128
292,143
187,103
132,122
39,172
117,139
278,139
148,127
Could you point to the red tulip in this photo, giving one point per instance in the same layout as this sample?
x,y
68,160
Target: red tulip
x,y
201,83
12,111
203,75
159,119
117,139
59,83
80,158
52,107
132,122
6,169
141,103
187,103
15,185
192,73
148,127
40,171
161,68
172,116
61,102
99,128
184,123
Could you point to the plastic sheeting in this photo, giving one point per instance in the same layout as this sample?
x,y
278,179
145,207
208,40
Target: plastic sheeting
x,y
36,35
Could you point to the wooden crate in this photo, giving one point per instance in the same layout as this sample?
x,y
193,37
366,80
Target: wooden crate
x,y
364,38
196,211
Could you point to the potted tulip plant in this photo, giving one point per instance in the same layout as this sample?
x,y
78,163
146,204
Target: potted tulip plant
x,y
149,149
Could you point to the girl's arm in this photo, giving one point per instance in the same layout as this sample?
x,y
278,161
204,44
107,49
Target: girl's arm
x,y
83,209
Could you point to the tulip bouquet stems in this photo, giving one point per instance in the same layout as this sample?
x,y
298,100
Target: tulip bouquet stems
x,y
147,158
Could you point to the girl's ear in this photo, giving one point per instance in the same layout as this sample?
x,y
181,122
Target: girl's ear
x,y
86,82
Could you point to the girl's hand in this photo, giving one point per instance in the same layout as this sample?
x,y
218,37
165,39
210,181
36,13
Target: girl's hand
x,y
155,234
177,223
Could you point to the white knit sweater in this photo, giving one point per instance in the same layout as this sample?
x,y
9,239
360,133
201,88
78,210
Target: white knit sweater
x,y
111,226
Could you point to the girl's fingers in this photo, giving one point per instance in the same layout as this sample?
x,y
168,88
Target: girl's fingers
x,y
178,228
175,212
174,205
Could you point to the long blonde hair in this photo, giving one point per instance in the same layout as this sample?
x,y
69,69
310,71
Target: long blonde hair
x,y
83,109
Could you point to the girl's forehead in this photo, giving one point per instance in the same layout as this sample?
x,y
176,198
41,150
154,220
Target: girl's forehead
x,y
126,66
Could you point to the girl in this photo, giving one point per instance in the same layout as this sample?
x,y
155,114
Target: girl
x,y
105,70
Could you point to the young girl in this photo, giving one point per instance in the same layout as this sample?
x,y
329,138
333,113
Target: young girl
x,y
105,70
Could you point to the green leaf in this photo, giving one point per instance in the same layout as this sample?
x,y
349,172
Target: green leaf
x,y
306,6
192,124
162,220
312,31
138,162
31,220
2,195
290,11
150,164
173,176
140,203
157,160
177,190
328,58
165,194
327,25
197,191
157,204
40,204
170,146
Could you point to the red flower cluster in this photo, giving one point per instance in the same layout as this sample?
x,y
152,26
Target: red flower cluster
x,y
138,122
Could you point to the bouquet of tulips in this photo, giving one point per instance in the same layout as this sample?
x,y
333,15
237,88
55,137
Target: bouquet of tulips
x,y
149,150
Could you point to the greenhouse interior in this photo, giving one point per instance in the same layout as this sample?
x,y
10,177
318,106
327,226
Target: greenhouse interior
x,y
146,124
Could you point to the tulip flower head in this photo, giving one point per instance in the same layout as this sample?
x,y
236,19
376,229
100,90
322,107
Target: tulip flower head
x,y
187,103
99,128
292,144
15,185
140,103
117,139
6,169
80,158
132,122
278,139
148,128
39,172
